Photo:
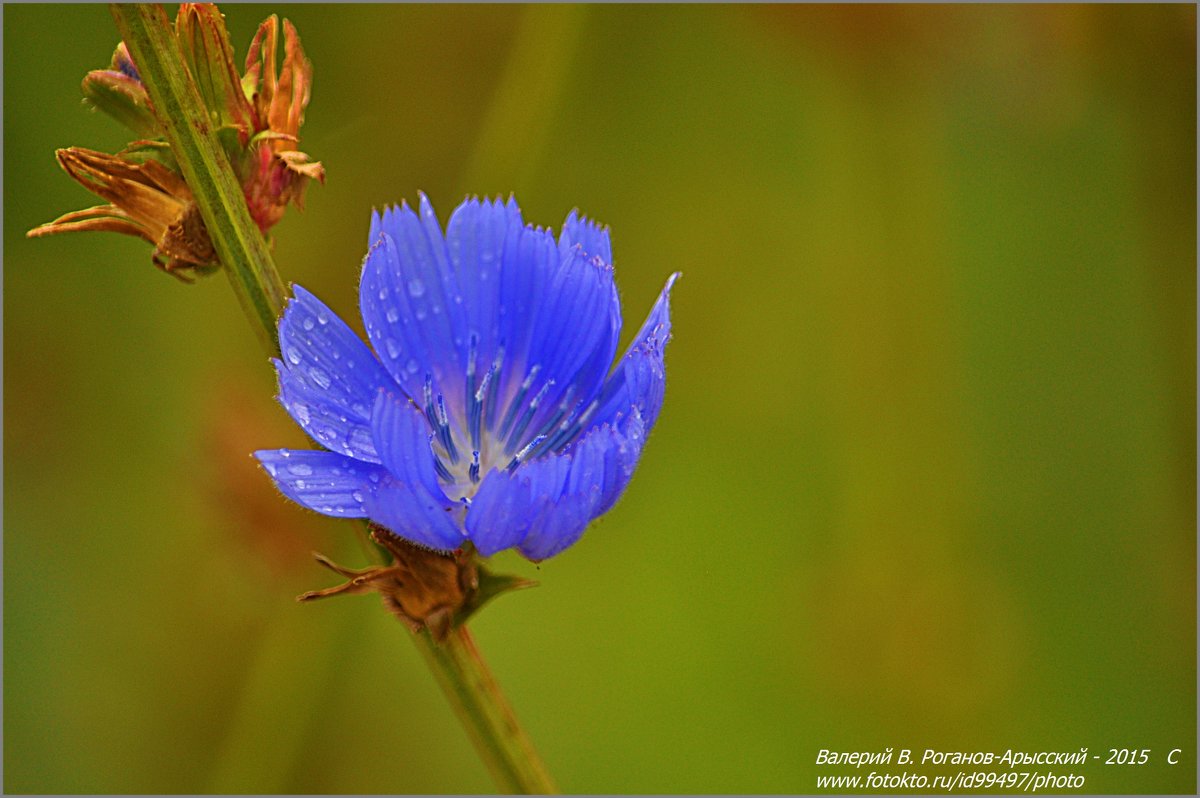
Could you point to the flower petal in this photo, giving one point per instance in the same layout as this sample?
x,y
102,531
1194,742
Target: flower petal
x,y
475,237
410,502
639,379
336,427
328,378
411,303
546,504
507,503
588,235
602,463
414,515
331,484
568,336
402,440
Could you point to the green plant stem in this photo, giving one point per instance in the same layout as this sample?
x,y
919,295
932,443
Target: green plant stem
x,y
486,714
457,665
151,40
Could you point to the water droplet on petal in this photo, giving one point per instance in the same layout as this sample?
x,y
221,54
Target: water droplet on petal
x,y
293,355
284,453
319,377
300,411
307,323
416,287
421,314
300,470
357,496
299,484
458,300
322,319
393,349
270,468
393,315
383,294
412,365
373,476
360,438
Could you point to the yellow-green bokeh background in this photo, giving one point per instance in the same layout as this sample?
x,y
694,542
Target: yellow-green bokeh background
x,y
925,476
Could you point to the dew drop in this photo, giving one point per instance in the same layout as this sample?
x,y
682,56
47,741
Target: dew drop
x,y
307,323
393,349
415,287
322,319
270,468
382,294
293,355
412,365
458,300
300,469
300,411
421,314
393,315
357,496
284,453
373,476
360,439
299,484
319,377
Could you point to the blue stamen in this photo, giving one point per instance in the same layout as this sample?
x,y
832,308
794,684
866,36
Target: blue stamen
x,y
524,453
518,401
439,466
444,431
519,431
497,364
429,414
472,396
475,412
571,427
473,471
560,416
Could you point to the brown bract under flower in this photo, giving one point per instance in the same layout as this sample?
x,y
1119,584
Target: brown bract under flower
x,y
422,588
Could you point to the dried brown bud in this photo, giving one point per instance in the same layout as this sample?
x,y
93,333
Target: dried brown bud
x,y
146,200
424,589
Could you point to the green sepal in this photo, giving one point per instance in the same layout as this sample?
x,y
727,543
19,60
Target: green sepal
x,y
490,585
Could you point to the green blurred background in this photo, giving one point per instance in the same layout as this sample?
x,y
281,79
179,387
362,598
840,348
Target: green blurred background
x,y
925,476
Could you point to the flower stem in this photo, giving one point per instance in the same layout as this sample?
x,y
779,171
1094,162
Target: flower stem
x,y
206,170
456,663
481,706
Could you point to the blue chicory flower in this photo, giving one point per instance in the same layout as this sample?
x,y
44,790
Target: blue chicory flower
x,y
490,414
